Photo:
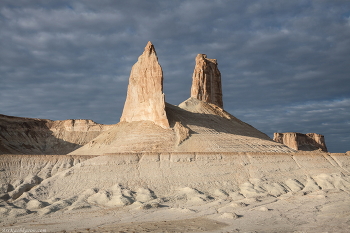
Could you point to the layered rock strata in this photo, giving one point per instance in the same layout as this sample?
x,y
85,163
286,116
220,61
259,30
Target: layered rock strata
x,y
206,85
250,174
41,136
299,141
197,127
145,97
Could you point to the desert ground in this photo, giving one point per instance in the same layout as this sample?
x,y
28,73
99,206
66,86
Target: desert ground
x,y
178,192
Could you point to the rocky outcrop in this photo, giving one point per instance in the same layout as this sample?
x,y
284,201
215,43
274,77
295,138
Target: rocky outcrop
x,y
41,136
299,141
145,98
206,85
181,132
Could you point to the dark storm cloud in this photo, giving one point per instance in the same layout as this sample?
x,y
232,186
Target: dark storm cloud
x,y
284,64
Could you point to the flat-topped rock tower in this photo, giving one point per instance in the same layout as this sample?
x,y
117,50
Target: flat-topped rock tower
x,y
206,84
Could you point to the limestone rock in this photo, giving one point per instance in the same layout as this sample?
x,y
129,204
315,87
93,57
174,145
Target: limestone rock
x,y
299,141
20,135
206,85
209,129
182,132
288,139
145,98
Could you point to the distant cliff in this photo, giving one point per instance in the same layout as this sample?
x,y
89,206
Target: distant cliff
x,y
40,136
299,141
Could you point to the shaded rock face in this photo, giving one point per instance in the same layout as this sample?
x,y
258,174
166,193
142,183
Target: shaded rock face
x,y
40,136
299,141
145,98
206,85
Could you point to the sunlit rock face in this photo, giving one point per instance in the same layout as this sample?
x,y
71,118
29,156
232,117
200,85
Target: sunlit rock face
x,y
145,99
299,141
206,85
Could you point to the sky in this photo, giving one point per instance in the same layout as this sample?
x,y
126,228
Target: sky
x,y
284,65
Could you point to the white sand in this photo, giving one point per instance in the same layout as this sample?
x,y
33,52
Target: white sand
x,y
242,192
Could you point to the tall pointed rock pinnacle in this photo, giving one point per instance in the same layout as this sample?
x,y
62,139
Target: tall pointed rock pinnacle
x,y
206,84
145,99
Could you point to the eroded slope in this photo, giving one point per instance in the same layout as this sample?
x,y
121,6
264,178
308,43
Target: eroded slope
x,y
195,126
41,136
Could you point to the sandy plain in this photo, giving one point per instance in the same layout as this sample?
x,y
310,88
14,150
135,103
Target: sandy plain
x,y
177,192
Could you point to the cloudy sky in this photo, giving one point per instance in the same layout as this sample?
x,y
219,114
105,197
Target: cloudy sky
x,y
285,65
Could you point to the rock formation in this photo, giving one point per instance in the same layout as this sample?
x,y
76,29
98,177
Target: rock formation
x,y
206,85
299,141
41,136
182,132
196,126
148,124
145,98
